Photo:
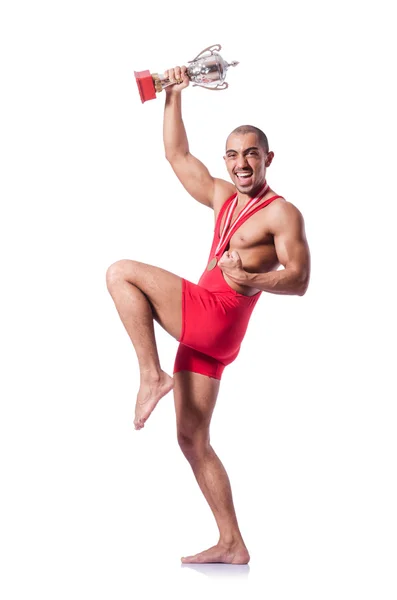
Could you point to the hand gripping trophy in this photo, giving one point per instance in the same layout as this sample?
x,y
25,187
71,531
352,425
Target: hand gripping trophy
x,y
207,70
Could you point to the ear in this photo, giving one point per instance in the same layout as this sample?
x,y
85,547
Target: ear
x,y
269,159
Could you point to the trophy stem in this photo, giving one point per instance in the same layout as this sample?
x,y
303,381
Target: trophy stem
x,y
161,82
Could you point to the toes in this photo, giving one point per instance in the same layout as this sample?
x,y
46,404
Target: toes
x,y
191,559
139,423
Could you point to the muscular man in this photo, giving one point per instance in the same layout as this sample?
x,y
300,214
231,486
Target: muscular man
x,y
256,231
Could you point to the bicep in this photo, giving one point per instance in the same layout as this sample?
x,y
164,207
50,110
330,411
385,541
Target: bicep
x,y
290,240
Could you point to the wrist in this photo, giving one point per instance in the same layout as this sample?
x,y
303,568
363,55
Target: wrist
x,y
249,279
241,277
172,97
172,91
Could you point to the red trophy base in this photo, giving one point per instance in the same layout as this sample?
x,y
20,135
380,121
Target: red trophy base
x,y
145,83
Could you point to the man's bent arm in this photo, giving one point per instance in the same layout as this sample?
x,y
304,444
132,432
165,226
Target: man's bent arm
x,y
293,253
285,281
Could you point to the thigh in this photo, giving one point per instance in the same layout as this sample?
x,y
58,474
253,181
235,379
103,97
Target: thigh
x,y
162,288
195,396
189,359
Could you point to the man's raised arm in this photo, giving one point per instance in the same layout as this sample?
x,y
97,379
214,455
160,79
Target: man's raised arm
x,y
191,172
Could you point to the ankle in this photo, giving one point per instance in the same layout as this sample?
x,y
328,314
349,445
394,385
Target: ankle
x,y
151,375
231,539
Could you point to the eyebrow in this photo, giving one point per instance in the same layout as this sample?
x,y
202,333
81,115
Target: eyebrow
x,y
247,150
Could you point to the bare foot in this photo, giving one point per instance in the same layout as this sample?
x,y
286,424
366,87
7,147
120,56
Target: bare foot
x,y
235,554
148,396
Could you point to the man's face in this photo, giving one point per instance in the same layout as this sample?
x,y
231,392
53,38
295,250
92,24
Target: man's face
x,y
246,162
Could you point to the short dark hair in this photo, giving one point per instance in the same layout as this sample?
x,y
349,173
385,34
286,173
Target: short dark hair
x,y
263,141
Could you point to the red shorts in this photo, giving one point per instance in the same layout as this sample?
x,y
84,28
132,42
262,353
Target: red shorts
x,y
213,325
214,316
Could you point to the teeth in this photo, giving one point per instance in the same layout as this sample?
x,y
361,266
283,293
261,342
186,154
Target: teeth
x,y
243,174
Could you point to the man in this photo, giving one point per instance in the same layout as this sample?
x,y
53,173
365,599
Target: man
x,y
256,232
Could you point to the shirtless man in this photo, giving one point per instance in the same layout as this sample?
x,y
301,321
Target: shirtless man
x,y
209,320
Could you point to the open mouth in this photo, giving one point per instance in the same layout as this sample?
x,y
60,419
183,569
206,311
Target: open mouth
x,y
244,177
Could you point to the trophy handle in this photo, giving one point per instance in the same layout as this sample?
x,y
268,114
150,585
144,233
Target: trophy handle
x,y
210,49
221,86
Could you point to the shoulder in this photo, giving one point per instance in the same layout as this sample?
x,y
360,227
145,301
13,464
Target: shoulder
x,y
222,191
284,215
283,208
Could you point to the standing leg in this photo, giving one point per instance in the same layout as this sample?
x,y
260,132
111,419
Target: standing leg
x,y
195,396
142,292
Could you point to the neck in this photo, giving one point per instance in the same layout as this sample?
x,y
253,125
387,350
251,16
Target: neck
x,y
243,199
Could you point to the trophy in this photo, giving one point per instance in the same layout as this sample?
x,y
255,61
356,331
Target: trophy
x,y
207,70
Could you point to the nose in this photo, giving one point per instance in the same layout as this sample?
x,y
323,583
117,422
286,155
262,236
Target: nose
x,y
241,162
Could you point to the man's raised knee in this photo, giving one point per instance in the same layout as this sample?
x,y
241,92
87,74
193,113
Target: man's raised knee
x,y
116,272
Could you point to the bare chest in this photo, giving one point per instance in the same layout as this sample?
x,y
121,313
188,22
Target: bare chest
x,y
250,234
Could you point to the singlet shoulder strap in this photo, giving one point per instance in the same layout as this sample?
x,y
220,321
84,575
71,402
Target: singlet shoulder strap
x,y
243,220
222,211
256,208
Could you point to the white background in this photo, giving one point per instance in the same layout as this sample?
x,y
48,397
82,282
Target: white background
x,y
306,417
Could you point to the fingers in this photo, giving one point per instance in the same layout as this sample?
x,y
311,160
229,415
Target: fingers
x,y
172,74
230,257
180,74
177,75
169,73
